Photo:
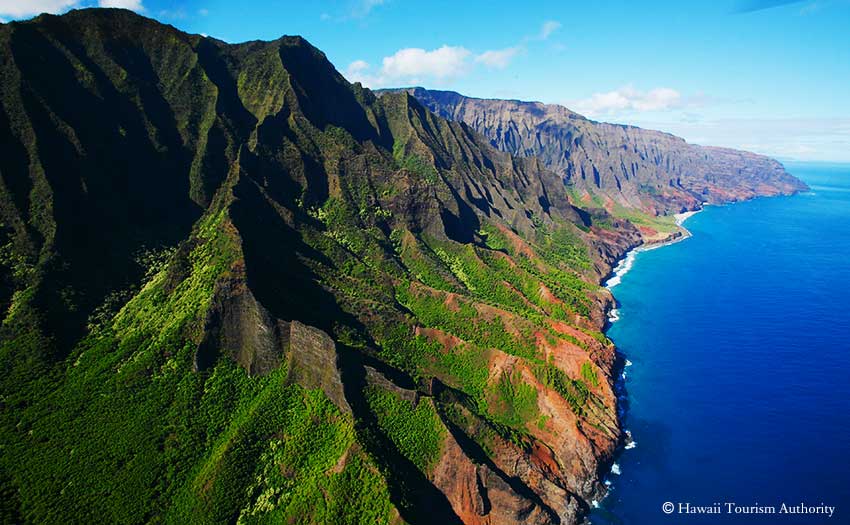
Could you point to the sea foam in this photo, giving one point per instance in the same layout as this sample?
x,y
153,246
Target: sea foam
x,y
622,269
682,217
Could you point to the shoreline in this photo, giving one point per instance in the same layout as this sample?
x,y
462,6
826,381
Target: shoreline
x,y
614,278
620,268
624,264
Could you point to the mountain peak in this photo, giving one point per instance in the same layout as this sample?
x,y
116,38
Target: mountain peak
x,y
618,167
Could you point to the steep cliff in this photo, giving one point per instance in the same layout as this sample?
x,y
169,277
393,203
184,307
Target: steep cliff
x,y
237,288
612,165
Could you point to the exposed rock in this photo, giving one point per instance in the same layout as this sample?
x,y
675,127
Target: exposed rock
x,y
308,211
477,493
239,327
312,361
636,168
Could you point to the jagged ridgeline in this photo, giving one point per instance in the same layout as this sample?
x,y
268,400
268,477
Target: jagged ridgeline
x,y
237,288
639,174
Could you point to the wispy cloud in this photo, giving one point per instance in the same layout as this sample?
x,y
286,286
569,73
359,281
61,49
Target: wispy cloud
x,y
499,58
412,65
173,14
362,8
135,5
20,9
548,27
352,10
826,139
628,99
750,6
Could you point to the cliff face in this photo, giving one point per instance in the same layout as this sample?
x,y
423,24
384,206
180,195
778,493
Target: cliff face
x,y
237,287
613,165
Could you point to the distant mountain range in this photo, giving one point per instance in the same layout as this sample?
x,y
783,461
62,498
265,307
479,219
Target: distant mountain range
x,y
237,288
614,165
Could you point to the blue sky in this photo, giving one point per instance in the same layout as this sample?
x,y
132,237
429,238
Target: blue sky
x,y
766,75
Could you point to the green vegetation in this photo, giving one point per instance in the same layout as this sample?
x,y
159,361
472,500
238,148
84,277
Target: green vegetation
x,y
416,431
588,373
464,321
176,444
184,200
416,165
659,223
309,474
573,391
515,402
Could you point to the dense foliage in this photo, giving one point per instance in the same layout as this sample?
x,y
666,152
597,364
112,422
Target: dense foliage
x,y
170,203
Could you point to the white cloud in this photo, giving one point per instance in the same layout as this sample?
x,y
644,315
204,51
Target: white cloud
x,y
439,66
134,5
823,139
629,99
412,65
203,12
19,9
363,7
548,27
361,71
357,71
441,63
498,58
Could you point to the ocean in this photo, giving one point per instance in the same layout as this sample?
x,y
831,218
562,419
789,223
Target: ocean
x,y
738,384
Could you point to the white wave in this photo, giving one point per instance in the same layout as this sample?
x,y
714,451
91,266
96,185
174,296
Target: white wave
x,y
615,469
613,315
682,217
628,363
656,246
839,189
594,504
623,375
607,482
630,445
622,269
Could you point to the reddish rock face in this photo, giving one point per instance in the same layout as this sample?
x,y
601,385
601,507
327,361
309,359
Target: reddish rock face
x,y
439,295
636,168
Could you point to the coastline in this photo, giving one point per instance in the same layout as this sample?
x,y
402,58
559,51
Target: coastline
x,y
614,278
622,266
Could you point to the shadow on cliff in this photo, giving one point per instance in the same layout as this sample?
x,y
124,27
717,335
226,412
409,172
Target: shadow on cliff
x,y
277,262
419,502
473,450
107,186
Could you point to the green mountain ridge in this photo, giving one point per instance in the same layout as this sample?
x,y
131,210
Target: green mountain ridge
x,y
632,172
238,288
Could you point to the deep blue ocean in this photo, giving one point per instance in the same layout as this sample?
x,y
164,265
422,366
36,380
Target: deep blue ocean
x,y
739,344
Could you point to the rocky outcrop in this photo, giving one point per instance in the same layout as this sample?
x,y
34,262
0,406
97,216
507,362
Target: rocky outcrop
x,y
322,235
480,493
621,165
312,362
239,327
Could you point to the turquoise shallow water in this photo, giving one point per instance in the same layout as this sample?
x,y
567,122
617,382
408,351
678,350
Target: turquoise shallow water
x,y
739,339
